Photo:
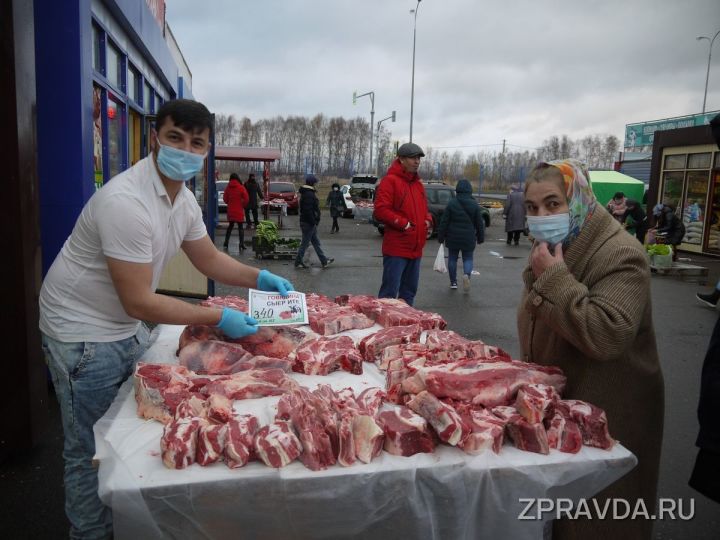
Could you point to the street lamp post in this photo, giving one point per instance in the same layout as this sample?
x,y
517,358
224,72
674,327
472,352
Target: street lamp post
x,y
412,84
392,116
371,94
707,75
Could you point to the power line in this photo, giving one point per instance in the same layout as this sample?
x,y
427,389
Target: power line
x,y
482,146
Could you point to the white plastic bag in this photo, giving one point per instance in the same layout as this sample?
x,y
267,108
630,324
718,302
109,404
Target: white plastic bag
x,y
439,265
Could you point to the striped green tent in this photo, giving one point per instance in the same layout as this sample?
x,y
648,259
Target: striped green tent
x,y
606,183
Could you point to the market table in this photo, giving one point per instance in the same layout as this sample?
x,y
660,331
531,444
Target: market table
x,y
447,494
279,205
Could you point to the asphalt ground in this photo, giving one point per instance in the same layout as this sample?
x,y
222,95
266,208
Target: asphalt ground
x,y
31,493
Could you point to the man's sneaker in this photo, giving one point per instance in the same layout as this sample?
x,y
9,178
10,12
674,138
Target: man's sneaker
x,y
301,265
328,262
466,282
453,285
710,300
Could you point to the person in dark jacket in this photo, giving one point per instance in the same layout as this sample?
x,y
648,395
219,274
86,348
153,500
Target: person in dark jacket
x,y
706,474
514,214
336,203
253,191
309,210
461,227
634,220
401,204
669,224
236,197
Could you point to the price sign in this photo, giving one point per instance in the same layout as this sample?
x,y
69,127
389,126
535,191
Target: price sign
x,y
273,309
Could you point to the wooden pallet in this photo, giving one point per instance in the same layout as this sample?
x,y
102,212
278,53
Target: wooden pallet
x,y
687,272
277,254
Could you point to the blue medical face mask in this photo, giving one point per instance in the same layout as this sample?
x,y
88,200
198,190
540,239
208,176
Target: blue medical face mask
x,y
178,165
552,229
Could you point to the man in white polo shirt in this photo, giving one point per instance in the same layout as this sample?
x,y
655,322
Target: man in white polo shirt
x,y
103,281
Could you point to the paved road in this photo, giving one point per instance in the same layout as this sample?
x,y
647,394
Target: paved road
x,y
31,496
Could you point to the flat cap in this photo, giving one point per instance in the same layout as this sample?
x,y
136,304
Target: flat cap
x,y
410,150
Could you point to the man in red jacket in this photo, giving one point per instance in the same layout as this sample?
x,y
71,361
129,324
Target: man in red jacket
x,y
401,205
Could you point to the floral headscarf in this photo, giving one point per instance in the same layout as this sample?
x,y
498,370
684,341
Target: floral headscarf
x,y
580,197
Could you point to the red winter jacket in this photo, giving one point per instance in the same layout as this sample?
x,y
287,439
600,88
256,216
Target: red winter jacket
x,y
236,198
399,200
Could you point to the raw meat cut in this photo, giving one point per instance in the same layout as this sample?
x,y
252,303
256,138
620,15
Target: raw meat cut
x,y
406,433
371,346
486,431
451,341
370,400
482,383
591,419
210,442
254,383
273,341
239,447
276,445
234,302
368,437
391,312
524,435
442,417
198,332
178,444
324,355
192,407
535,401
564,434
219,408
212,357
336,319
159,389
346,453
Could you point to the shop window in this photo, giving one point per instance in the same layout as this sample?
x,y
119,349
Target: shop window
x,y
97,137
672,189
699,161
717,160
147,97
694,208
676,161
97,49
115,114
133,84
114,66
158,102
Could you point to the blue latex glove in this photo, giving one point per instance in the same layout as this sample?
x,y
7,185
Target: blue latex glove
x,y
236,324
270,282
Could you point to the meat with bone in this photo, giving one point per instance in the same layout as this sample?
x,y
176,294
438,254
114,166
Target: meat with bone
x,y
178,444
535,401
391,312
193,406
234,302
371,346
524,435
239,447
324,355
346,435
368,437
564,434
406,433
273,341
276,445
212,357
447,423
482,383
210,442
451,341
486,429
254,383
198,332
370,400
219,408
159,389
591,419
336,319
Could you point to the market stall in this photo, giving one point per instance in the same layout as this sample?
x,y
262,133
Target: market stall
x,y
446,494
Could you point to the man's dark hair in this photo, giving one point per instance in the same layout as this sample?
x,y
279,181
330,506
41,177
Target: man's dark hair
x,y
618,195
190,115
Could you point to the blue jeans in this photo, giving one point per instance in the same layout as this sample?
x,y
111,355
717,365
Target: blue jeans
x,y
467,257
309,236
400,278
87,376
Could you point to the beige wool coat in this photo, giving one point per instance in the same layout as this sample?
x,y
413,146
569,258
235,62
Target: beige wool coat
x,y
591,316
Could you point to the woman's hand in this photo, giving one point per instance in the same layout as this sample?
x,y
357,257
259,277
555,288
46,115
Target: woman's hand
x,y
541,258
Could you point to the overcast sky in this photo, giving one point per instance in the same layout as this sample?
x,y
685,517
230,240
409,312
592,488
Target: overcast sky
x,y
485,70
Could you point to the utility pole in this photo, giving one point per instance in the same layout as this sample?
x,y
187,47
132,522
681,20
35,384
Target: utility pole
x,y
372,120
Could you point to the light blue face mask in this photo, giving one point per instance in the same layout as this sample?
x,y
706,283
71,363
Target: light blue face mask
x,y
552,229
177,164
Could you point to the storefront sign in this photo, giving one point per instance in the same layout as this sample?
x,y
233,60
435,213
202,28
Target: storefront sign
x,y
273,309
639,137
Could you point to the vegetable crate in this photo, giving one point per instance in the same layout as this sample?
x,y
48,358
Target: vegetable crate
x,y
264,250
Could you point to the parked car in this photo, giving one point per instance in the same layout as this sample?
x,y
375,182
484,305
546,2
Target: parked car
x,y
287,192
220,186
438,195
349,204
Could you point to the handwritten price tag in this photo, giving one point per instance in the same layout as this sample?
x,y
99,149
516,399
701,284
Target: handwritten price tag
x,y
273,309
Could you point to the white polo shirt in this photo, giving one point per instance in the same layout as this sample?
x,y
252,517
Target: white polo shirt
x,y
130,219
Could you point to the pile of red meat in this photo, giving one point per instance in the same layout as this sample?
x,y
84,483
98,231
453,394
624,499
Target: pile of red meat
x,y
445,389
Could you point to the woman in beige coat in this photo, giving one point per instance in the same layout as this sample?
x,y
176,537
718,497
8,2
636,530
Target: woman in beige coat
x,y
586,308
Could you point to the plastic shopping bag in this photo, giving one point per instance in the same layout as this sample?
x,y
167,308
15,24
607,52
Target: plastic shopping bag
x,y
439,265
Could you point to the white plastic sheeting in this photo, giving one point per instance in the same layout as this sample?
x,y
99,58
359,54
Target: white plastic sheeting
x,y
447,494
